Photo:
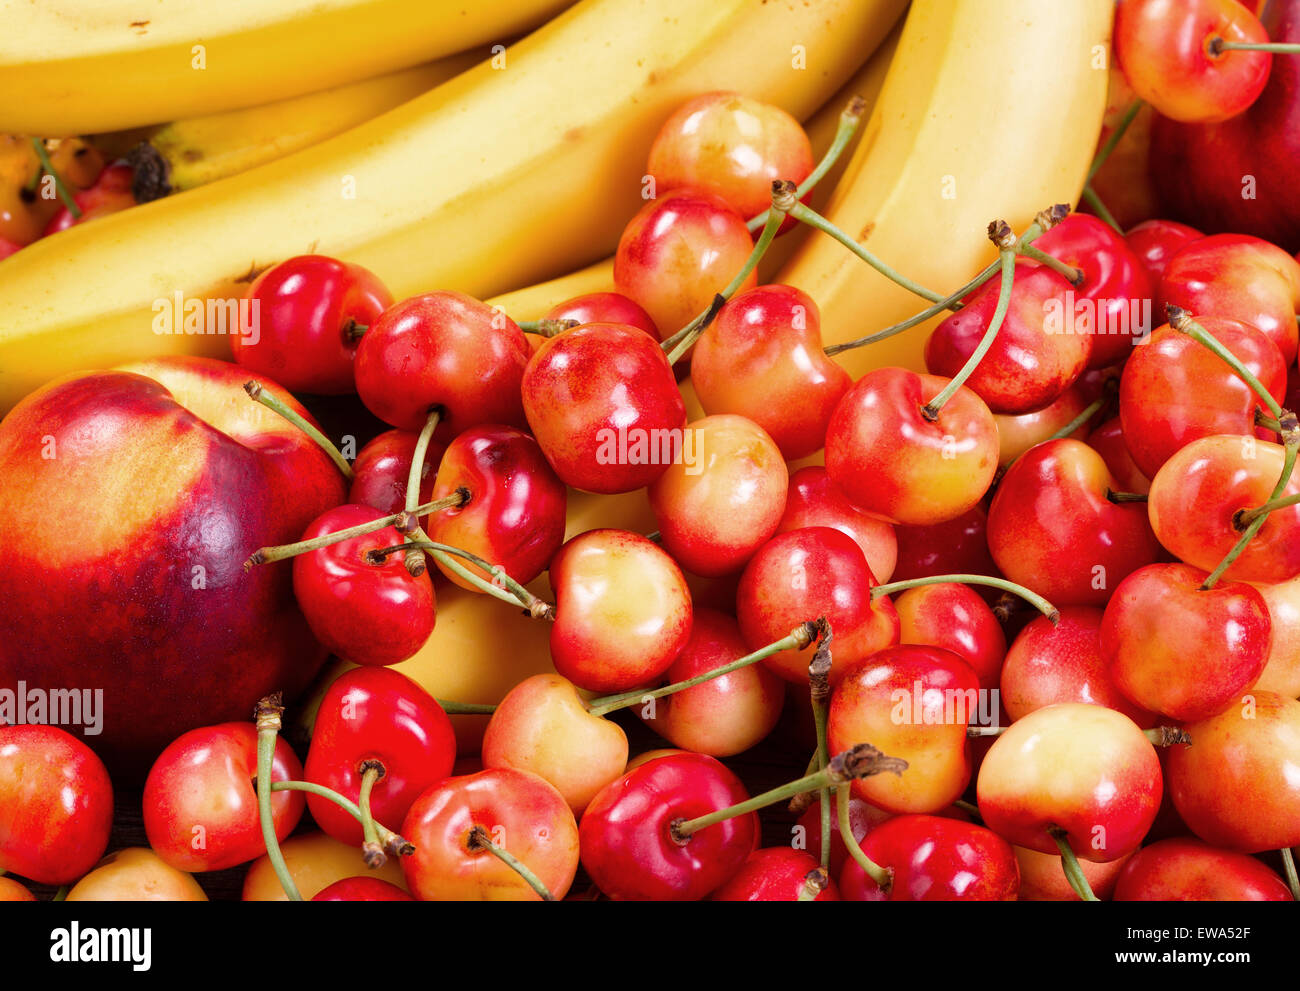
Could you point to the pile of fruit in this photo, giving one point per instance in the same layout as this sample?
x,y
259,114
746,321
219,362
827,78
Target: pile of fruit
x,y
346,553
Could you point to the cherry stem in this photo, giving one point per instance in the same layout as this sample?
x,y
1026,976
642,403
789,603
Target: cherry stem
x,y
265,555
466,708
881,875
859,761
394,843
1103,212
1130,114
819,683
258,393
1288,867
974,731
814,883
61,894
1070,864
970,808
800,637
1007,259
1259,515
1247,516
59,186
782,196
1181,321
1167,736
547,328
1089,411
1119,497
353,331
508,591
1072,275
799,804
371,849
1218,46
267,718
479,839
1268,422
1033,598
850,118
414,557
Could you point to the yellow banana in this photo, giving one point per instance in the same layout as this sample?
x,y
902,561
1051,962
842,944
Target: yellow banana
x,y
508,173
76,67
199,150
990,110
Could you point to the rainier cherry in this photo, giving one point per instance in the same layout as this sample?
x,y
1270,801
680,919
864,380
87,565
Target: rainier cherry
x,y
604,307
955,617
1183,869
1043,878
136,874
814,501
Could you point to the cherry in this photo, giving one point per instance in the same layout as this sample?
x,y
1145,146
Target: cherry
x,y
776,874
362,889
628,846
110,193
1043,878
1174,390
1108,441
955,617
1084,770
442,351
809,573
1201,502
813,501
1047,664
863,817
725,715
517,811
1185,869
1155,242
1169,56
716,509
931,858
1282,671
1180,650
200,798
12,891
762,357
678,252
1217,783
315,861
58,804
602,401
136,874
365,610
731,146
622,611
914,702
890,459
544,726
1028,365
1017,434
378,724
515,513
1053,528
1237,277
383,467
311,313
957,547
604,307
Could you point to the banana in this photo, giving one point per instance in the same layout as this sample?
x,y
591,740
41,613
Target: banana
x,y
76,67
990,110
193,152
517,170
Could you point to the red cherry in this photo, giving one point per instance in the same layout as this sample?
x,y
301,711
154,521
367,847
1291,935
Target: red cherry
x,y
813,501
362,889
628,846
932,858
957,547
773,874
515,514
1183,869
376,715
603,307
58,804
308,311
200,800
110,193
366,611
954,617
762,358
602,401
806,574
863,818
383,467
1155,242
1017,434
889,459
447,351
1108,441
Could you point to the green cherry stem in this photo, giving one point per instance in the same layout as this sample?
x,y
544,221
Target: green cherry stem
x,y
860,761
1181,321
354,331
61,894
1089,411
371,849
1121,497
414,557
970,808
465,708
257,392
1103,212
799,804
59,185
547,328
1259,514
1001,235
814,883
265,555
1070,864
267,717
881,875
508,591
478,839
393,842
1072,275
1288,866
819,684
850,118
799,638
1130,114
1218,46
1033,598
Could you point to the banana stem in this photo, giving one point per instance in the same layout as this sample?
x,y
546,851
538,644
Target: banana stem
x,y
414,558
268,715
882,876
59,186
258,393
1033,598
1130,114
850,118
479,839
1070,864
799,638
